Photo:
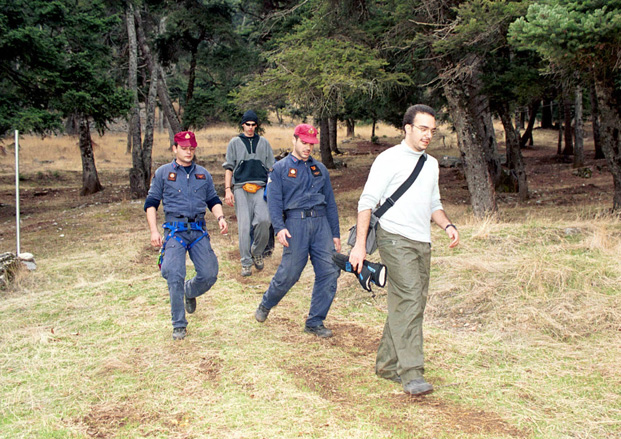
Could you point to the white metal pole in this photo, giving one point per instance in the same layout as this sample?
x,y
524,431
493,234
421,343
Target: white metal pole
x,y
17,190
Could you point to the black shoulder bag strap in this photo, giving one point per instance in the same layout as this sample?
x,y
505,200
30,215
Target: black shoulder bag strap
x,y
390,201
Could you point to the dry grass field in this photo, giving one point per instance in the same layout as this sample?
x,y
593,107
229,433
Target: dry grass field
x,y
522,327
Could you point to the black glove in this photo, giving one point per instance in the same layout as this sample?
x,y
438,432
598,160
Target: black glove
x,y
371,272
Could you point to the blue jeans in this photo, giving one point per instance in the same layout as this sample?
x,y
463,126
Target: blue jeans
x,y
173,270
309,236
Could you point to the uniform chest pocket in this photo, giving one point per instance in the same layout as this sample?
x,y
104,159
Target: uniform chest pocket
x,y
199,189
173,187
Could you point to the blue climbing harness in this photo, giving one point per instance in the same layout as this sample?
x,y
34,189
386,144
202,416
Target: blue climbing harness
x,y
178,226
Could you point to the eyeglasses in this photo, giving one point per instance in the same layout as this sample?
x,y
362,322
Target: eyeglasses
x,y
250,124
185,148
426,130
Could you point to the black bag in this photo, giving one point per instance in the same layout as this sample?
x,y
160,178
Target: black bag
x,y
371,241
371,244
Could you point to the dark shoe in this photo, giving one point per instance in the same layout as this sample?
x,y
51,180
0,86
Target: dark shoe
x,y
258,262
418,387
179,333
320,331
261,314
190,303
246,270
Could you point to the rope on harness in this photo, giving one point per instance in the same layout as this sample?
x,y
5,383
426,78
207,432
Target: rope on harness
x,y
177,226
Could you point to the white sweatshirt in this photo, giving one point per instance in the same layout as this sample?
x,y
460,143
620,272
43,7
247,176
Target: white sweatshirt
x,y
411,215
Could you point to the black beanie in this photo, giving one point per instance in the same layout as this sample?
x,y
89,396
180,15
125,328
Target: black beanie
x,y
250,116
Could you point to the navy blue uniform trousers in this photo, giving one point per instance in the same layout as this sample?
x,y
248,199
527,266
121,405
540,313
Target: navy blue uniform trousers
x,y
174,271
309,236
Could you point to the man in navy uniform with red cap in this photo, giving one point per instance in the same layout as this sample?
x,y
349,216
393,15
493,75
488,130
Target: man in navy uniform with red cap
x,y
305,219
186,191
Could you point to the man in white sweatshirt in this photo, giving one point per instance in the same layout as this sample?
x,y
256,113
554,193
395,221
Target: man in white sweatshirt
x,y
404,243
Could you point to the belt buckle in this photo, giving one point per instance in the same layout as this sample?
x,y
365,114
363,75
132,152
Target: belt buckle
x,y
309,213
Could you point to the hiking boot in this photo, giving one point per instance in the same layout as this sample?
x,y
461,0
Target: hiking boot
x,y
320,331
179,333
418,387
261,314
246,270
190,302
258,262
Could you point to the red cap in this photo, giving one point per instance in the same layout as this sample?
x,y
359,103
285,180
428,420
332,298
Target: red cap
x,y
307,133
185,138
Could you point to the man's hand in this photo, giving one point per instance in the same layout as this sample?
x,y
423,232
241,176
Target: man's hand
x,y
454,235
337,244
357,257
224,227
282,237
229,198
156,239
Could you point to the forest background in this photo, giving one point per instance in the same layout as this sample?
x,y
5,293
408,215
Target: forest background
x,y
524,317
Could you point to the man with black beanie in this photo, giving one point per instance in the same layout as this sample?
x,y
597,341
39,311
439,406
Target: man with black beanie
x,y
249,159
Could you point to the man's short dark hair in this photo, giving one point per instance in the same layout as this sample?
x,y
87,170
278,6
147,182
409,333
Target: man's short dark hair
x,y
410,114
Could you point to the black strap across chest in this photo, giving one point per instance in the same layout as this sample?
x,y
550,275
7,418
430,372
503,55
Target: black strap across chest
x,y
390,201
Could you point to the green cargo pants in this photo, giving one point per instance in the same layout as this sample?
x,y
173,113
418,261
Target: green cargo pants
x,y
400,352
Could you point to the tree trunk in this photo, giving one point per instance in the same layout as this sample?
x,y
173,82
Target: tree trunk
x,y
147,144
478,177
71,125
373,130
527,137
90,179
128,149
134,119
578,131
559,144
192,75
518,119
515,161
351,126
569,144
599,153
324,143
162,89
332,123
610,132
140,174
546,114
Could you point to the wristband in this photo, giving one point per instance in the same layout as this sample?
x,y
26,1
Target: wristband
x,y
227,188
450,225
220,217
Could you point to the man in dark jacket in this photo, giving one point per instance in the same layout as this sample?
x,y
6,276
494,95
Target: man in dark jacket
x,y
249,158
